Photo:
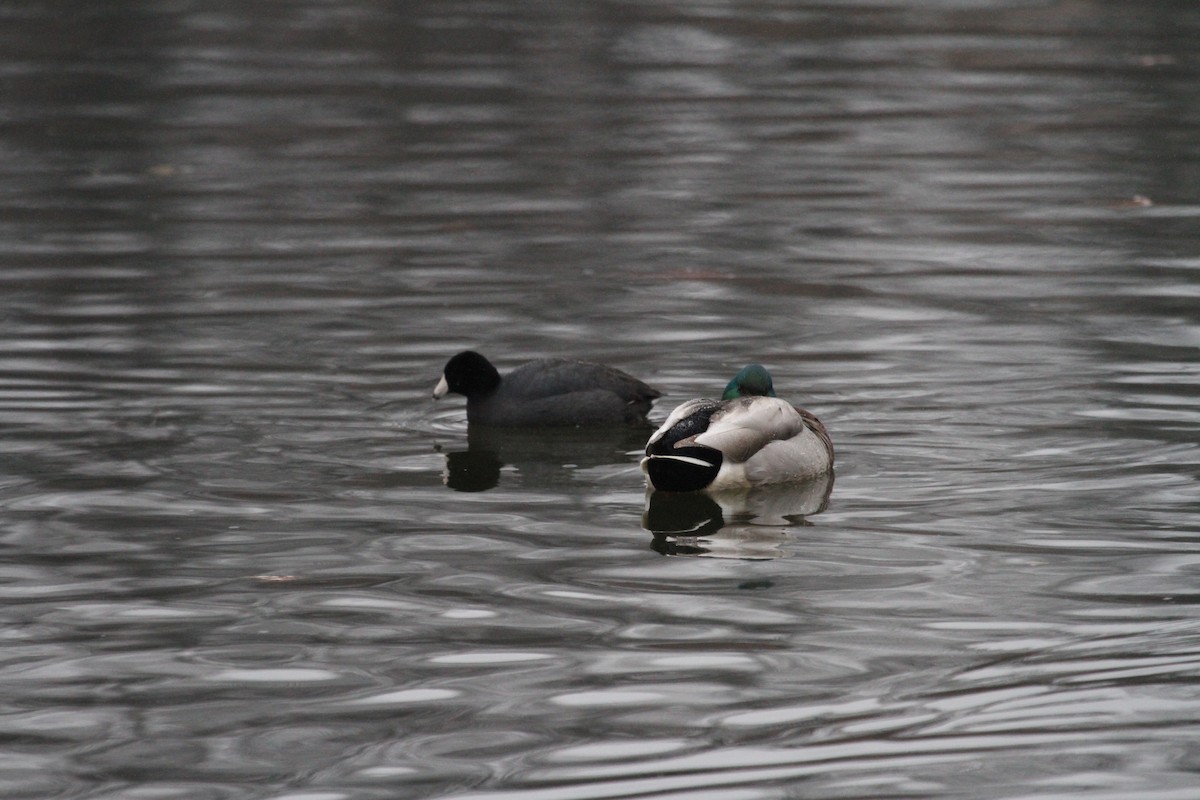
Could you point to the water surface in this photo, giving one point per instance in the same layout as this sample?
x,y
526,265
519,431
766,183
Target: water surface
x,y
245,555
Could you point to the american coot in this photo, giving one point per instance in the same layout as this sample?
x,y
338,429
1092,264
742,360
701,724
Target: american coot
x,y
747,438
547,392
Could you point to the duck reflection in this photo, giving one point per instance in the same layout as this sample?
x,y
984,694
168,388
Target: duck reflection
x,y
740,524
541,456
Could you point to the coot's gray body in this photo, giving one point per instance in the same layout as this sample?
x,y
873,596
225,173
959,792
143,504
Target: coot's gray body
x,y
547,392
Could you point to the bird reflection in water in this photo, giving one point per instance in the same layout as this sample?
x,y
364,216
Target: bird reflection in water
x,y
539,456
472,470
741,524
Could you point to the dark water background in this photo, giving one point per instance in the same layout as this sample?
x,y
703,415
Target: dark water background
x,y
239,554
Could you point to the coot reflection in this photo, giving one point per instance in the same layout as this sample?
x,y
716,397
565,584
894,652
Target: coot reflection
x,y
541,459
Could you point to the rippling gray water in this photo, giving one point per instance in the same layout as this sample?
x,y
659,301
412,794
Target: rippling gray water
x,y
245,556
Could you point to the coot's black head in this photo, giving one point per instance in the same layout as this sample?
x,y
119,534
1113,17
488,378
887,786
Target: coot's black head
x,y
468,374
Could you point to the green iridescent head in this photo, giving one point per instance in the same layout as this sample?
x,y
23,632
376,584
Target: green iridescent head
x,y
752,380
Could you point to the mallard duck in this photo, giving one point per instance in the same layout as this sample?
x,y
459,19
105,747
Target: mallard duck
x,y
748,438
547,392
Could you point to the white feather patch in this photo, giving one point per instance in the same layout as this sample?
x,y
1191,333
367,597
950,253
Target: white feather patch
x,y
699,462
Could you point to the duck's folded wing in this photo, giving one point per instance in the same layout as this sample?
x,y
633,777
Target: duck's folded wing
x,y
694,415
818,427
745,426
